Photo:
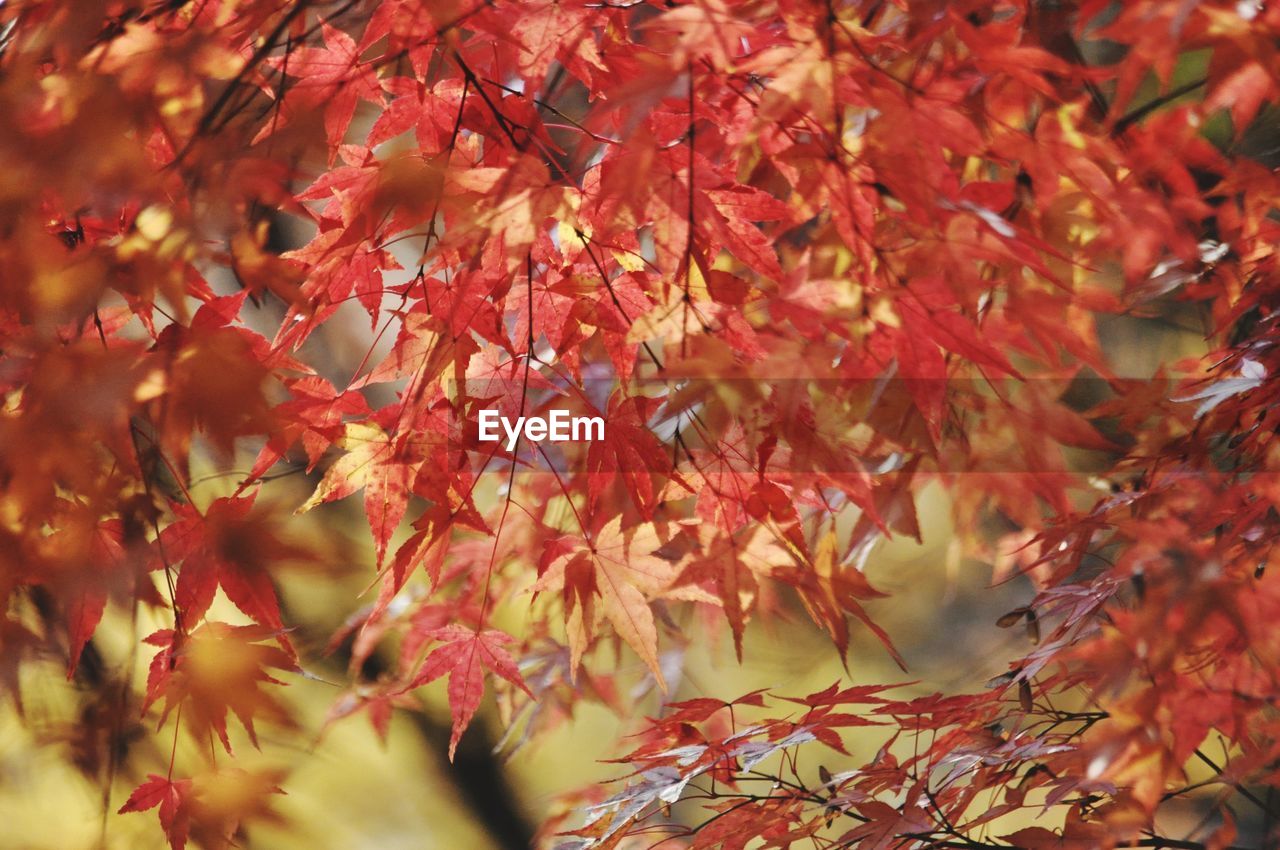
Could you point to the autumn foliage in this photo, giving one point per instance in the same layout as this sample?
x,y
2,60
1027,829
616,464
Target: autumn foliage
x,y
805,259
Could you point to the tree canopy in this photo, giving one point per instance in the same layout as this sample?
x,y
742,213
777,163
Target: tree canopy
x,y
808,262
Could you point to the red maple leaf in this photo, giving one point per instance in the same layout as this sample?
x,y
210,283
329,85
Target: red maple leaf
x,y
464,656
174,799
227,546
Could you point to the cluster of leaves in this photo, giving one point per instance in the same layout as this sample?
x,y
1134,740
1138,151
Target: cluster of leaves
x,y
803,258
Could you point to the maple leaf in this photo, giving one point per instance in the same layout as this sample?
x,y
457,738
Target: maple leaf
x,y
101,565
332,76
228,546
216,670
629,452
1076,834
833,590
383,465
886,825
208,808
622,568
544,309
314,415
736,212
927,314
174,799
504,383
1243,91
549,29
464,656
733,565
422,352
429,112
205,365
